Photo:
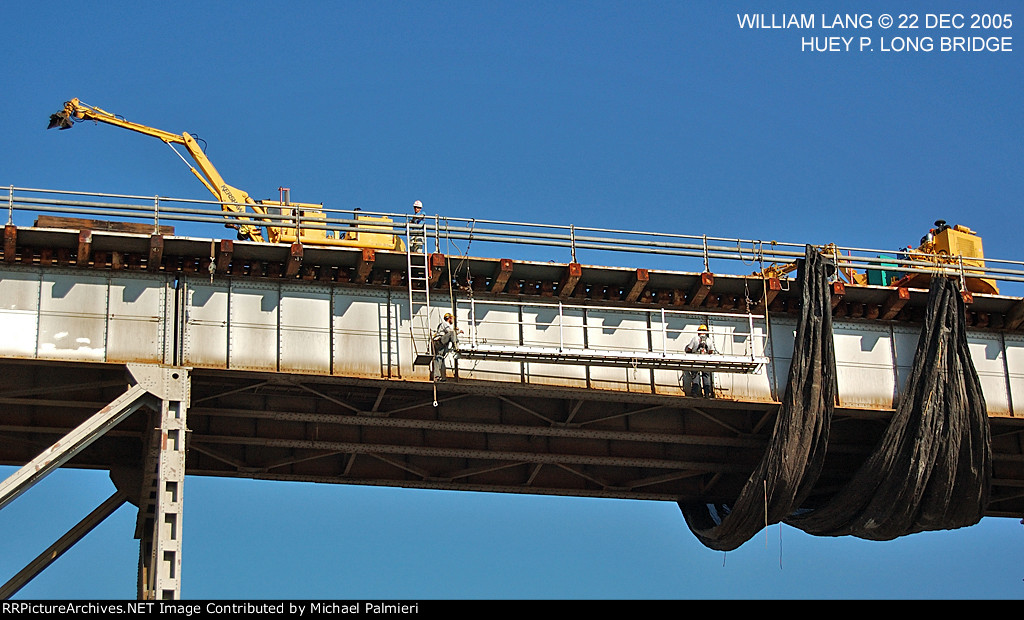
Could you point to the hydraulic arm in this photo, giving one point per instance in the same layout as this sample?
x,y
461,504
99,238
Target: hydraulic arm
x,y
280,218
232,199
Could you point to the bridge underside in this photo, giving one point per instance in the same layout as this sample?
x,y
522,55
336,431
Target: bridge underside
x,y
479,437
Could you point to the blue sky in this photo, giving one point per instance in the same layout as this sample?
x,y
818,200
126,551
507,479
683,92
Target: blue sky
x,y
651,115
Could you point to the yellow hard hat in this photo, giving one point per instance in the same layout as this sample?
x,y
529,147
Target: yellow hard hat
x,y
448,315
702,328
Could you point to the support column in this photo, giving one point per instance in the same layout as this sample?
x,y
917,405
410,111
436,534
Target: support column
x,y
160,507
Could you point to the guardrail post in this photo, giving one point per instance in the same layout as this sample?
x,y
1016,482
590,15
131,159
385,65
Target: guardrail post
x,y
572,241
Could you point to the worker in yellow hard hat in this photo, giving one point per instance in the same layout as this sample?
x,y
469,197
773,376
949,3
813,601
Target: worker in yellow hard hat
x,y
701,381
444,341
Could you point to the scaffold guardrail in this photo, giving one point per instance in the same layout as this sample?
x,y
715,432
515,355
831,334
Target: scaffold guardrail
x,y
651,338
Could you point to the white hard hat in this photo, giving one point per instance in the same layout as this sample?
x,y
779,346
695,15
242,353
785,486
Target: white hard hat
x,y
417,204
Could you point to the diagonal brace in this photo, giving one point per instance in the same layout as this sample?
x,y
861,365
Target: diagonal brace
x,y
64,543
74,442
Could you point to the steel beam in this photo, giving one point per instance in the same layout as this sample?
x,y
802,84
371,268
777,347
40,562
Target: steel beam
x,y
64,543
73,443
513,456
741,440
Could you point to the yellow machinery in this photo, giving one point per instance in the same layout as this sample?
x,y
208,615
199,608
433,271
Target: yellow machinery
x,y
954,250
279,216
951,250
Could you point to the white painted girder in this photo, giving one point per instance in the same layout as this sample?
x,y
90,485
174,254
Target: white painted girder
x,y
351,331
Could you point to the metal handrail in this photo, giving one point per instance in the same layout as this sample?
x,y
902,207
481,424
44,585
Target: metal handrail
x,y
572,237
651,328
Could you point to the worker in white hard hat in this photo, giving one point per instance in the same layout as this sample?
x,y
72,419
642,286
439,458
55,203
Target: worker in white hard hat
x,y
701,381
416,233
444,341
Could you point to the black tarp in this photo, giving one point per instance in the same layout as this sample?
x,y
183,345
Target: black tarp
x,y
796,450
932,468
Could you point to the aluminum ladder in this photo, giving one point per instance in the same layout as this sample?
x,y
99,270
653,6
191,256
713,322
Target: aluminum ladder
x,y
418,280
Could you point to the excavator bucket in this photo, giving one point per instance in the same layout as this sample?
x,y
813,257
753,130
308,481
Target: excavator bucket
x,y
60,120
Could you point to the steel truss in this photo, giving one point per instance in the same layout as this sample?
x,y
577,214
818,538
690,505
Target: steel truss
x,y
160,389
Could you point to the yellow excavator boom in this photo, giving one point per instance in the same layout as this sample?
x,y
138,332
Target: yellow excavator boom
x,y
270,214
232,199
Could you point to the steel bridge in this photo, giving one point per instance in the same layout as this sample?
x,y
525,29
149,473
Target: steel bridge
x,y
153,355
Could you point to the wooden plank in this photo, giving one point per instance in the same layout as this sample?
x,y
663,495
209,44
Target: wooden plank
x,y
77,223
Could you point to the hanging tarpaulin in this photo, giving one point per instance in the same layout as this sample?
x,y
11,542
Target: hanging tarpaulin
x,y
795,453
932,468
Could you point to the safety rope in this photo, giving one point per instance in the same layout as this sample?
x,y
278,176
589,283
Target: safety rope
x,y
753,251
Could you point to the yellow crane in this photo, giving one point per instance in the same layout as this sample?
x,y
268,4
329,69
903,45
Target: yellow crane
x,y
274,212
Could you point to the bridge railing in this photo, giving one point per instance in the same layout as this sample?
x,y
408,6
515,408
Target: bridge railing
x,y
456,235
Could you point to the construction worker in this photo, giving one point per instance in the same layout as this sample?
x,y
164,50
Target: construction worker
x,y
354,234
702,383
444,341
416,233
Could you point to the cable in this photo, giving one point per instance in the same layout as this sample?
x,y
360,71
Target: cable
x,y
765,484
200,141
